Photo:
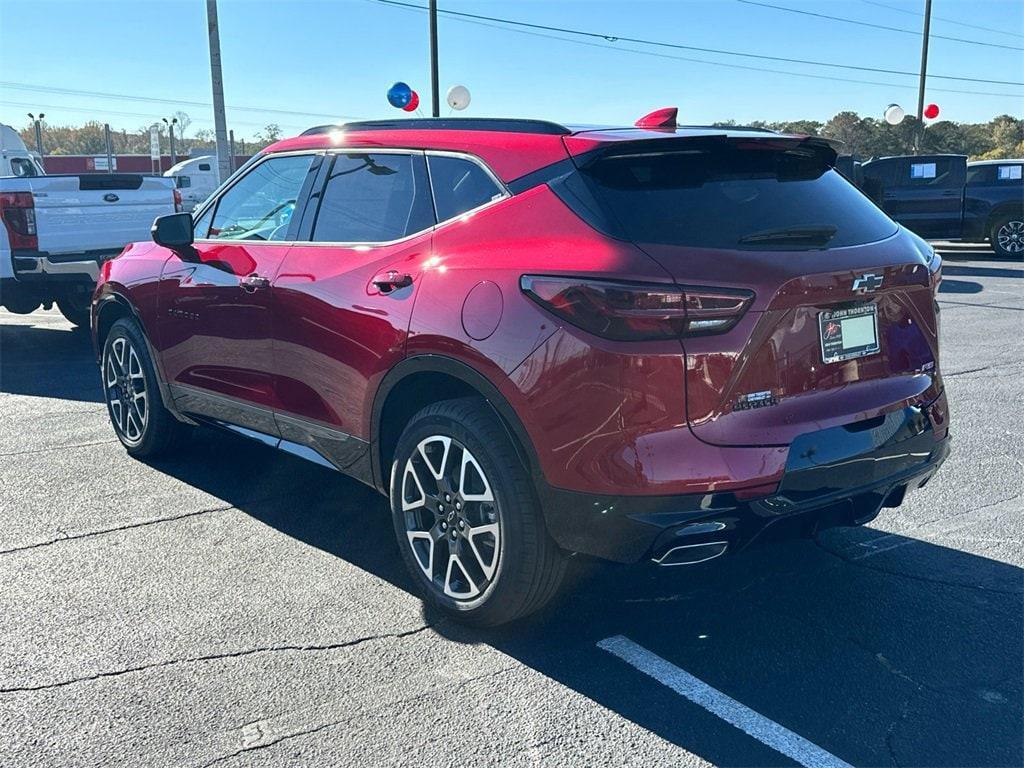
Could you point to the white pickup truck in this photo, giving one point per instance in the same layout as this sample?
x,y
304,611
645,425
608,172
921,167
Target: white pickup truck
x,y
57,230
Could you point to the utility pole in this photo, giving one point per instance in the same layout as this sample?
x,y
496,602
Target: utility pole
x,y
435,96
924,72
231,143
170,129
39,131
217,78
110,147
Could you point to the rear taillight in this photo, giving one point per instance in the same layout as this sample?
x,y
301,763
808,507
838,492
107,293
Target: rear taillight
x,y
935,271
177,201
627,311
19,215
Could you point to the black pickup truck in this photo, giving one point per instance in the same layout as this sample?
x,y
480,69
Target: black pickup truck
x,y
944,197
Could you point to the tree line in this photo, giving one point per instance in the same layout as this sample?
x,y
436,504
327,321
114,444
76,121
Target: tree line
x,y
89,138
864,137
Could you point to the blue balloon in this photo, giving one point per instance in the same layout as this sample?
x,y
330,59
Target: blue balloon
x,y
399,95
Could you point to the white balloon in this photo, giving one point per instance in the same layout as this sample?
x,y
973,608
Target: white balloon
x,y
894,114
458,97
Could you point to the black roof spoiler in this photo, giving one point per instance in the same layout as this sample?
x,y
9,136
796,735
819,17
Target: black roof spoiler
x,y
498,124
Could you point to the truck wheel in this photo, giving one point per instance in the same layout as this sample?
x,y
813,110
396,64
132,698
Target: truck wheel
x,y
140,420
467,519
1008,235
75,307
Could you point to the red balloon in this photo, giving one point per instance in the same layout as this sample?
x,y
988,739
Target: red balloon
x,y
931,111
415,102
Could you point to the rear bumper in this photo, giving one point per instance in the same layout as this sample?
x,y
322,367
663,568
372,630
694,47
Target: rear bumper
x,y
839,476
39,266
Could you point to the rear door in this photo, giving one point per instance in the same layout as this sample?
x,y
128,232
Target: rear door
x,y
98,212
842,325
345,294
927,196
217,315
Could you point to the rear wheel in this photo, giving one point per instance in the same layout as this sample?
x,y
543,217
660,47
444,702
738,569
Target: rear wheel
x,y
467,520
1008,235
143,425
75,307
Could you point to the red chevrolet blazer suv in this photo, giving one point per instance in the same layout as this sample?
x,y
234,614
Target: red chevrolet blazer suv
x,y
644,343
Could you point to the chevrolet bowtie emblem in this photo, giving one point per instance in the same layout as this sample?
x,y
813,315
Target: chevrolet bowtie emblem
x,y
867,283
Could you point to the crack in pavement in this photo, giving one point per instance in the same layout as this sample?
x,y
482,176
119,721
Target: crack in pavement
x,y
333,723
993,366
125,527
60,447
214,657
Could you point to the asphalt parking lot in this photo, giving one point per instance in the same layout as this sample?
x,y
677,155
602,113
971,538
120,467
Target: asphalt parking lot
x,y
236,606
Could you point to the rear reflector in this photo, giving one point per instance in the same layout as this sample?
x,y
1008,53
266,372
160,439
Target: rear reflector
x,y
627,311
19,216
177,201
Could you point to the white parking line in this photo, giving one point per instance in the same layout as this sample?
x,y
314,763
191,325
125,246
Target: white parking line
x,y
766,731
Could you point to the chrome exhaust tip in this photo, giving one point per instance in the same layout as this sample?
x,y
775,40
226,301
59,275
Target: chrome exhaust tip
x,y
691,554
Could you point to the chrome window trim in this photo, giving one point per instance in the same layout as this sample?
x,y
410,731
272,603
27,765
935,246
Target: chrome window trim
x,y
244,170
249,165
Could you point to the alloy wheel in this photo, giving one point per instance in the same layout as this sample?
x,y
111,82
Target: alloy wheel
x,y
1011,236
127,396
451,516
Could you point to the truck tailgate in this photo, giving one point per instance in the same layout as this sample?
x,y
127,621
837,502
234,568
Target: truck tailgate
x,y
98,212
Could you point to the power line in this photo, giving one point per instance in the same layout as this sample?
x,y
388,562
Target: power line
x,y
747,67
913,32
156,100
1015,35
680,46
145,115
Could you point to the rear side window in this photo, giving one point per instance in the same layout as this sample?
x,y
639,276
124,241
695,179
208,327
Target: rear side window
x,y
22,167
459,185
259,206
732,198
374,198
935,172
981,174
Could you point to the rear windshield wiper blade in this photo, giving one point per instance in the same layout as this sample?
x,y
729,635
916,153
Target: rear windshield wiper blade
x,y
811,235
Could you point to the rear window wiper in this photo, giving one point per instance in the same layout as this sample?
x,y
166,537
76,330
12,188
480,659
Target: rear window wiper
x,y
814,235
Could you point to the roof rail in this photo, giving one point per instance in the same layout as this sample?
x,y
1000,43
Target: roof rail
x,y
506,125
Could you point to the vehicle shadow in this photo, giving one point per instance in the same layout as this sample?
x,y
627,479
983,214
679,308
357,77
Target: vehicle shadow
x,y
44,361
959,286
881,649
959,271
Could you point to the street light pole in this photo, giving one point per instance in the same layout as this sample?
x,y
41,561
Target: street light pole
x,y
924,72
39,131
217,79
435,96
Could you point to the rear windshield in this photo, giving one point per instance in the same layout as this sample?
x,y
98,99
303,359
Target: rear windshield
x,y
726,197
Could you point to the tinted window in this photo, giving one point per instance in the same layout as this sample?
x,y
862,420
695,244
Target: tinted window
x,y
734,198
882,171
260,205
933,172
981,174
459,185
204,166
183,182
374,198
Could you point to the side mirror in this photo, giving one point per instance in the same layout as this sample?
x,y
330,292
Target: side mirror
x,y
173,231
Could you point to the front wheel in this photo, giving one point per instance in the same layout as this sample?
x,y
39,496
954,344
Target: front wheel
x,y
1008,235
141,422
467,519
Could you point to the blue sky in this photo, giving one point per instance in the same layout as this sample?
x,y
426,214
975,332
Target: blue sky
x,y
314,61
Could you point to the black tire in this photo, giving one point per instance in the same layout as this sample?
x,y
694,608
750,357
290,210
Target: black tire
x,y
527,566
1009,228
156,431
75,308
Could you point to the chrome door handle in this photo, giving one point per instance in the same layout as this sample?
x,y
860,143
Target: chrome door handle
x,y
391,280
254,282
